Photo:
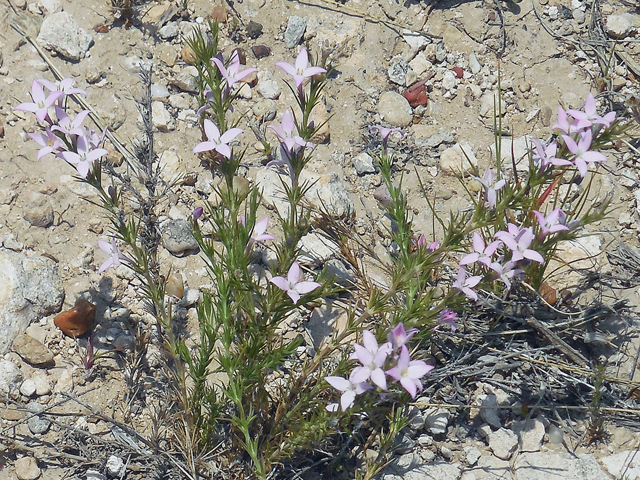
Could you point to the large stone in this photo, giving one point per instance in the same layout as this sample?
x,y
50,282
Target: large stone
x,y
296,26
38,210
31,289
503,443
458,159
10,378
557,466
330,193
27,468
62,33
620,26
623,465
177,238
530,434
395,109
32,351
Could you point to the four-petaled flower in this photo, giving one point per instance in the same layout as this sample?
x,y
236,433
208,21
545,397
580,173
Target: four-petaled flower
x,y
372,358
422,243
49,141
398,336
65,86
349,390
215,141
68,126
490,192
288,133
552,223
232,73
84,157
481,253
385,132
545,156
582,155
518,241
301,69
448,317
41,102
563,123
466,285
589,117
409,372
111,249
506,272
292,284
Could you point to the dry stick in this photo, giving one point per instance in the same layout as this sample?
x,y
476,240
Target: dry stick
x,y
101,124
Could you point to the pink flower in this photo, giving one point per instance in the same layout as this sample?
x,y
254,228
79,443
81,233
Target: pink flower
x,y
552,223
84,156
465,285
491,188
409,372
518,241
49,141
398,337
589,117
545,156
232,74
372,358
292,284
563,123
301,70
258,234
582,155
41,103
349,390
215,141
68,126
197,212
448,317
65,86
506,272
288,133
115,256
385,132
481,253
422,243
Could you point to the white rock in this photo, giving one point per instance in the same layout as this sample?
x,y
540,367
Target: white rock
x,y
190,297
329,192
43,387
27,468
61,32
489,409
161,117
503,443
620,26
316,249
436,420
458,159
10,378
171,166
449,80
363,164
420,64
623,465
395,109
530,434
471,455
557,466
269,88
488,102
51,6
415,40
114,465
519,147
474,64
28,387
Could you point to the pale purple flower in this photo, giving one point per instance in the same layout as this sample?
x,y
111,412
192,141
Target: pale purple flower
x,y
372,358
65,86
301,70
288,133
385,132
111,249
232,73
448,317
68,126
490,188
466,285
551,223
41,102
545,156
582,155
481,253
589,117
506,272
258,234
48,141
197,212
563,123
398,336
349,390
409,372
422,243
292,284
215,141
84,156
518,241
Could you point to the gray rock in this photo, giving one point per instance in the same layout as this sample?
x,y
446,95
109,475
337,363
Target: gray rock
x,y
503,443
10,378
265,110
190,297
398,72
169,31
31,289
269,182
177,238
436,420
337,270
458,159
161,117
51,6
395,109
95,475
115,465
415,40
433,471
323,322
331,193
38,210
62,33
623,465
530,434
433,141
621,25
557,466
269,88
37,424
579,15
441,53
474,64
296,26
471,455
186,79
316,249
489,468
363,164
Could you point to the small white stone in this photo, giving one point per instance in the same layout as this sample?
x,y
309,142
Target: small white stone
x,y
28,387
114,466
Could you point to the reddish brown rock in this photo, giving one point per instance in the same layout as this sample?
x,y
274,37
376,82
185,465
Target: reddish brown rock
x,y
416,94
458,71
78,320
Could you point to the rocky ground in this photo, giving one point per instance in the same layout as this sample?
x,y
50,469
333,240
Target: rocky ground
x,y
549,52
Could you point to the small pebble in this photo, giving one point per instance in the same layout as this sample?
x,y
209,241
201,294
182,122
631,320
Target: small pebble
x,y
78,320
